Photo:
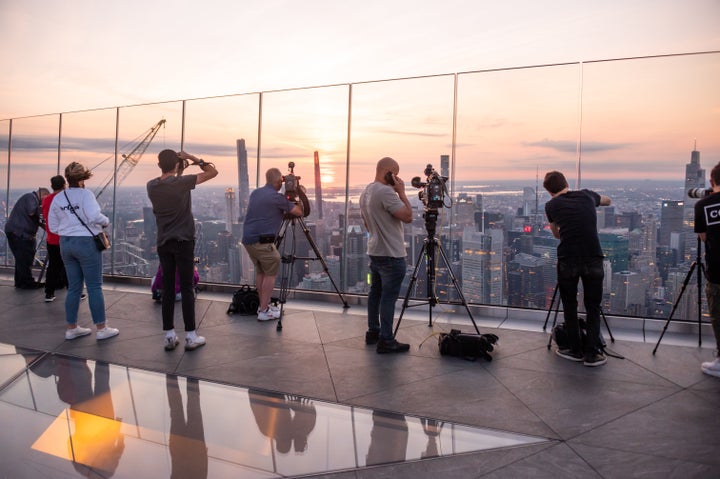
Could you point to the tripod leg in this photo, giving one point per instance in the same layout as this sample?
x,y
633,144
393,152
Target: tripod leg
x,y
413,280
322,261
677,301
457,287
607,326
557,311
552,301
701,273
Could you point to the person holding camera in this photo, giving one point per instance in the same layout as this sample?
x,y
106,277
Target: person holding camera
x,y
75,217
384,207
172,206
707,226
265,213
573,220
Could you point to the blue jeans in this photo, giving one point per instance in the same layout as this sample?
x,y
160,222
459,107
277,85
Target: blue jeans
x,y
181,255
386,277
590,271
83,264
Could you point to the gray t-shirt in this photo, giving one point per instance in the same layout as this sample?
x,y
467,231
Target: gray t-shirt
x,y
377,204
172,206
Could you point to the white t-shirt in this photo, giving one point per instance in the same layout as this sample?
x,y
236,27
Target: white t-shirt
x,y
63,222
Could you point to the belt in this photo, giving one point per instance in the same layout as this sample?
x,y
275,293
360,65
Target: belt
x,y
265,239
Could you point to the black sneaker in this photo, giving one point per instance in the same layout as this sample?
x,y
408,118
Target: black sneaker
x,y
391,346
372,337
49,297
570,355
594,359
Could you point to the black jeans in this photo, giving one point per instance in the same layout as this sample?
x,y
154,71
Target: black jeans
x,y
590,271
23,249
181,255
55,278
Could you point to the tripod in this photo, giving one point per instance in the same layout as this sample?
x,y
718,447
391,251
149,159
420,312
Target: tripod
x,y
700,268
288,260
430,247
557,310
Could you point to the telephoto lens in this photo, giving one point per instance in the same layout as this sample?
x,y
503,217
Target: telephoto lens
x,y
699,192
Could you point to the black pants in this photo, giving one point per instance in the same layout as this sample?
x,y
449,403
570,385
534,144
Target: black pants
x,y
23,250
590,271
181,255
55,278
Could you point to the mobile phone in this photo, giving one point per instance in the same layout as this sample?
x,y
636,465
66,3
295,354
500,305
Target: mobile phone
x,y
389,178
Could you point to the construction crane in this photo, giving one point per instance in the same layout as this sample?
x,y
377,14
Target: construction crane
x,y
131,159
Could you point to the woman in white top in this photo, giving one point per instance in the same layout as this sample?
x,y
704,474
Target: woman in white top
x,y
83,261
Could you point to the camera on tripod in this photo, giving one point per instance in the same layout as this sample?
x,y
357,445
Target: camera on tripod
x,y
433,189
699,192
292,183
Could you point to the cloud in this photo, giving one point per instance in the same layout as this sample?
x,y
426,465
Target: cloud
x,y
568,146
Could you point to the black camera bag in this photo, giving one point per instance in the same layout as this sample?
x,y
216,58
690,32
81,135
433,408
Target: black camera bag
x,y
467,346
245,301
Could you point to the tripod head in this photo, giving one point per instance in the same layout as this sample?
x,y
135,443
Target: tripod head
x,y
430,215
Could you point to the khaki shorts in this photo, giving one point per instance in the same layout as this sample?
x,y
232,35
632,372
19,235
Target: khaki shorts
x,y
265,257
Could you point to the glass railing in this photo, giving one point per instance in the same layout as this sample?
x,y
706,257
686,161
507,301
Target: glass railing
x,y
640,130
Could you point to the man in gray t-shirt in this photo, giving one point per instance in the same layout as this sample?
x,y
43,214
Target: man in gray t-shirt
x,y
385,207
172,205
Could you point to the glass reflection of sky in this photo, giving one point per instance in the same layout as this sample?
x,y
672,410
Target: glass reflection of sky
x,y
66,415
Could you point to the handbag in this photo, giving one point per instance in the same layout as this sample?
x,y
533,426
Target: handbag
x,y
102,240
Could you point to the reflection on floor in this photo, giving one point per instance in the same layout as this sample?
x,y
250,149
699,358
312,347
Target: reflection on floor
x,y
63,416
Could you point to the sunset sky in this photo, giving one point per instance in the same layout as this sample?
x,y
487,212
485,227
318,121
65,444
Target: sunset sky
x,y
75,55
67,55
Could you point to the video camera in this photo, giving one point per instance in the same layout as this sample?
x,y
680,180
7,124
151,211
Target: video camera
x,y
292,183
699,192
294,192
433,193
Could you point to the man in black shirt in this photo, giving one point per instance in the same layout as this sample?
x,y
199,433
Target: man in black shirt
x,y
573,221
707,226
172,206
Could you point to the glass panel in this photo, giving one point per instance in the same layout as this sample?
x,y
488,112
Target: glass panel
x,y
412,122
649,134
33,161
4,159
65,414
144,132
298,128
89,138
223,131
512,127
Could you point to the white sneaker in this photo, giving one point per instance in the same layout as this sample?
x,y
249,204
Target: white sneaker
x,y
712,367
171,343
106,332
268,314
77,332
194,343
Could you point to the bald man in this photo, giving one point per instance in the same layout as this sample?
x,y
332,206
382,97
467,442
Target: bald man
x,y
385,207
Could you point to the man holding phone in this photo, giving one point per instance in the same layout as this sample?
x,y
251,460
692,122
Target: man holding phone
x,y
385,207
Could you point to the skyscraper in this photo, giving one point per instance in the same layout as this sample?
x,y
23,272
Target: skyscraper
x,y
694,178
243,183
231,218
445,166
318,186
671,220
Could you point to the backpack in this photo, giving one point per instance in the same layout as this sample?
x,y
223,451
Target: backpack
x,y
468,346
245,301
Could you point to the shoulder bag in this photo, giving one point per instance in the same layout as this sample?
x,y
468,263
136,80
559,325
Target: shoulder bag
x,y
102,241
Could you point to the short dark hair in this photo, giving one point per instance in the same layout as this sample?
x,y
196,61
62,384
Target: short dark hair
x,y
554,182
715,174
57,182
167,159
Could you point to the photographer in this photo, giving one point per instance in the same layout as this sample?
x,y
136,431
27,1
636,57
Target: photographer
x,y
265,212
172,206
707,226
385,207
573,221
